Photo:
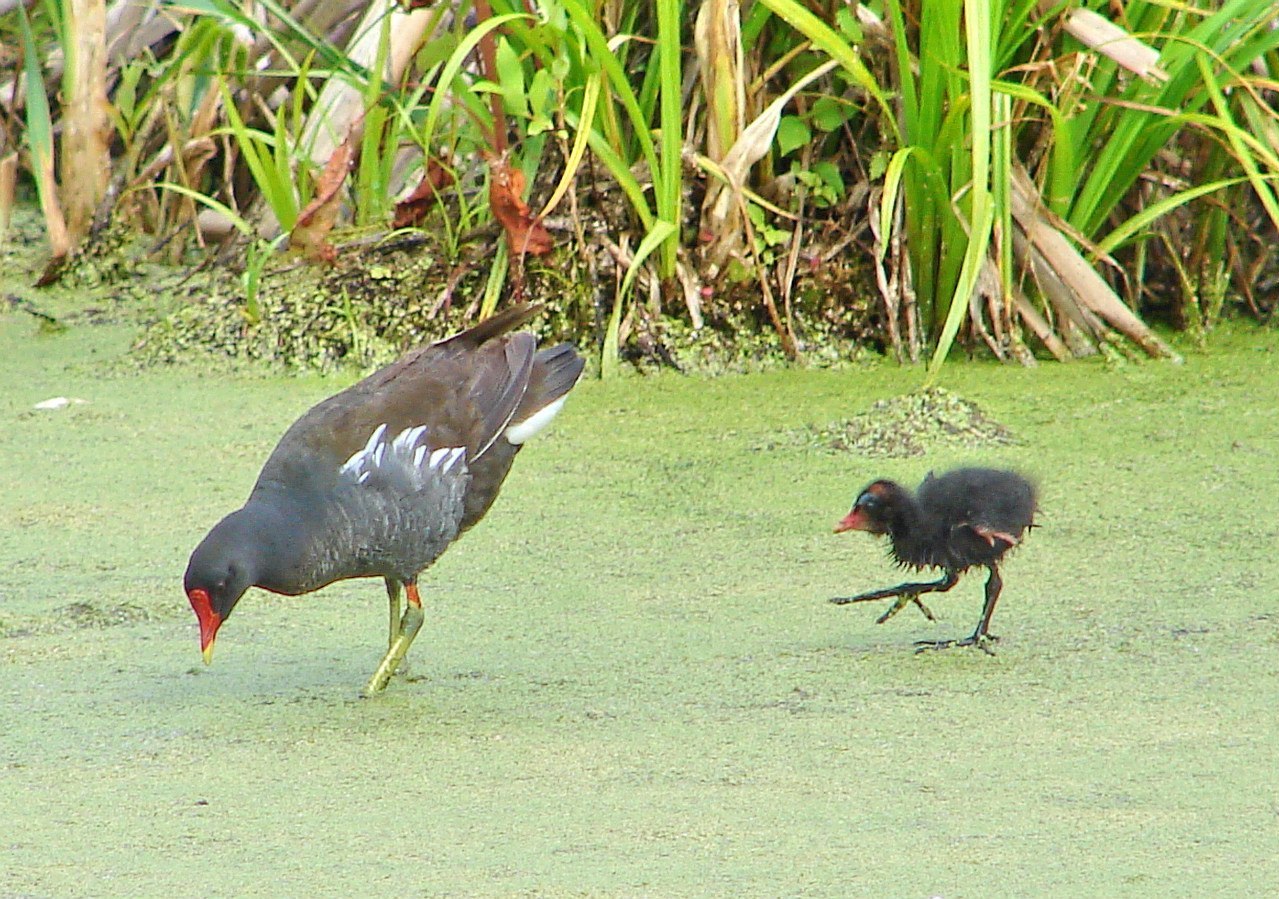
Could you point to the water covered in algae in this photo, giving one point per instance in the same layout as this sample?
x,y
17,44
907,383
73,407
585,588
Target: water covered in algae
x,y
631,682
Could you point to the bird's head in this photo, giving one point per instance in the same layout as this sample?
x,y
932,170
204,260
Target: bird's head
x,y
876,509
220,570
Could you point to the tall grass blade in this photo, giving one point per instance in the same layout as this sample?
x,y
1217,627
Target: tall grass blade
x,y
453,66
39,136
660,232
585,121
978,33
836,47
262,158
603,53
1234,136
237,221
669,178
1134,225
496,279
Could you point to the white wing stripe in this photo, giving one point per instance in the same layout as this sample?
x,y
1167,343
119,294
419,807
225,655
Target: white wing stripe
x,y
406,448
359,457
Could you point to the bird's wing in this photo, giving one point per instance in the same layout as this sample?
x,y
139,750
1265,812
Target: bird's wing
x,y
990,535
462,396
996,505
402,464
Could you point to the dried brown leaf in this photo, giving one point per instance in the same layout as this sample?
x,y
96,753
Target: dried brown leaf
x,y
55,225
1074,283
524,232
310,233
1096,31
414,208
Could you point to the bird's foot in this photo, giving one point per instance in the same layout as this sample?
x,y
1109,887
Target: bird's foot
x,y
861,597
896,607
901,604
393,661
393,664
390,663
981,641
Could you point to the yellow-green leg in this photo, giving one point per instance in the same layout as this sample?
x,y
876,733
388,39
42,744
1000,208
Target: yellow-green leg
x,y
403,630
393,590
393,594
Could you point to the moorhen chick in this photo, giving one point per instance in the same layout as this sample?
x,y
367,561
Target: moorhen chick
x,y
966,517
379,479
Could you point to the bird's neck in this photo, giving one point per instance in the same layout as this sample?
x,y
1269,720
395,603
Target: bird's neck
x,y
274,536
915,534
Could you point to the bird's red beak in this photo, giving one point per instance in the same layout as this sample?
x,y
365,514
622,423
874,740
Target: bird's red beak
x,y
853,521
210,621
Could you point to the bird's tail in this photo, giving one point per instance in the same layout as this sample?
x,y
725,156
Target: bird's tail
x,y
496,325
555,371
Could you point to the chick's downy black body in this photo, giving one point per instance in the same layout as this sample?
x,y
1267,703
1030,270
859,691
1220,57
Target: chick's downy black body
x,y
965,518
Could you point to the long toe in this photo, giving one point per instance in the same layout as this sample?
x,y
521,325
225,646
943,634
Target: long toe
x,y
926,645
860,597
902,601
983,643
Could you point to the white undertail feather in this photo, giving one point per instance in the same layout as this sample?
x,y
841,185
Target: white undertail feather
x,y
529,427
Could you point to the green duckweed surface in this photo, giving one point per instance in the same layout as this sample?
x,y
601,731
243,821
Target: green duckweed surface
x,y
631,683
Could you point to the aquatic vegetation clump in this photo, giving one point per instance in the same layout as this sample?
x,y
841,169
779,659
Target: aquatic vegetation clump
x,y
360,314
903,426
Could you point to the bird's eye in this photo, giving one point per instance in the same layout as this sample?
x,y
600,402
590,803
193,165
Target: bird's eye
x,y
868,500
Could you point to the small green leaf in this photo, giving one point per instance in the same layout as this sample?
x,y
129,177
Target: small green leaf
x,y
126,94
829,173
848,25
829,114
510,75
792,133
878,164
434,53
541,94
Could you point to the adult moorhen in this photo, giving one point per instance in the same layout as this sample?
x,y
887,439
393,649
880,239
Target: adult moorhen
x,y
378,480
966,517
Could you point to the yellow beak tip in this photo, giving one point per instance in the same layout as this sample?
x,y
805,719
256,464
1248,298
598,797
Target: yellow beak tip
x,y
207,652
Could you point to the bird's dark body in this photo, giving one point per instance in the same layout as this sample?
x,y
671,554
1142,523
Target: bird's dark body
x,y
314,539
378,480
943,528
964,518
